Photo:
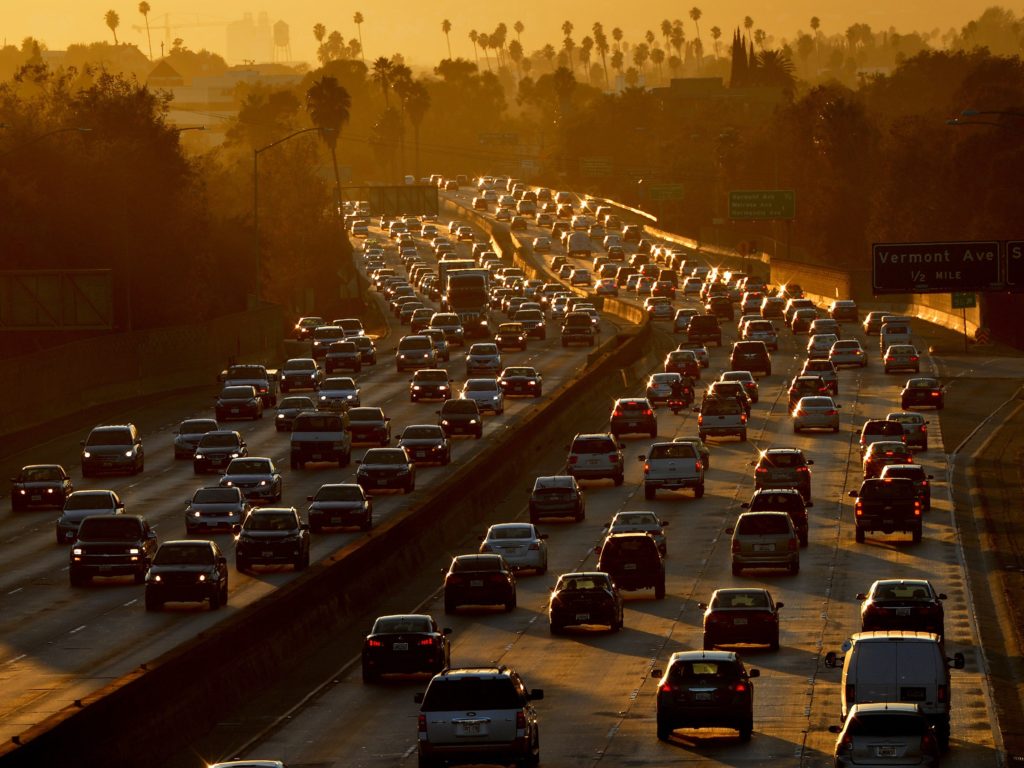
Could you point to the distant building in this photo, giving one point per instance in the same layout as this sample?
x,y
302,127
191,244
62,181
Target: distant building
x,y
249,40
165,77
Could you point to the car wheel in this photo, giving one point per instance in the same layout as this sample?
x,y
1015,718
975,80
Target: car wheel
x,y
708,644
702,436
794,568
917,534
774,644
650,492
664,730
153,604
803,539
619,479
743,436
367,524
479,433
555,629
510,604
315,527
370,677
77,578
215,600
242,566
449,606
796,429
140,576
746,730
858,535
654,433
302,563
835,429
698,492
659,589
737,569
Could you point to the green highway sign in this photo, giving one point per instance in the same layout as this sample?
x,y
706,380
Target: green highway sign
x,y
595,166
663,192
964,300
762,204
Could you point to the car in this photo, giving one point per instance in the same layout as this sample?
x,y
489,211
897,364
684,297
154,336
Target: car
x,y
111,545
681,319
257,478
872,324
874,733
483,358
487,393
721,416
386,469
633,561
215,507
705,689
532,320
659,386
431,384
305,326
542,244
640,522
764,540
914,427
816,412
343,355
882,452
508,336
844,311
481,579
188,434
405,644
902,604
324,337
272,536
825,326
113,448
692,286
300,373
521,380
802,319
783,468
187,571
461,417
658,307
415,352
595,456
819,345
806,386
339,505
698,349
338,393
633,415
556,496
683,362
773,307
763,331
367,349
585,598
520,544
217,449
824,368
368,424
730,389
290,407
924,391
746,378
902,357
82,504
672,466
238,402
786,500
426,443
744,615
503,729
40,486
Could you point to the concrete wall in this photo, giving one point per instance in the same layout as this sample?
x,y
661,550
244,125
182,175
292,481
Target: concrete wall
x,y
59,381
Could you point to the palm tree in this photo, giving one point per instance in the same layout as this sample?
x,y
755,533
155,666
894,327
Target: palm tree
x,y
640,55
674,63
568,46
319,32
113,21
357,19
498,38
382,75
649,37
716,34
518,27
474,36
775,68
617,37
657,57
601,43
548,52
567,28
144,10
759,37
328,104
748,24
815,25
617,61
586,47
666,31
564,83
446,27
515,52
417,102
678,38
695,14
484,41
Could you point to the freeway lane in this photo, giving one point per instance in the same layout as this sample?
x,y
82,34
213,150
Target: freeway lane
x,y
58,644
599,703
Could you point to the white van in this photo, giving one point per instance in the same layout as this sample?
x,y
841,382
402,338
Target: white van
x,y
899,666
894,331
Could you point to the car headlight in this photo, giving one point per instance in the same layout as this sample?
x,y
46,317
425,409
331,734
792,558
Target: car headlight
x,y
86,454
78,551
196,513
444,422
228,483
472,421
280,415
202,577
157,577
349,397
323,397
129,453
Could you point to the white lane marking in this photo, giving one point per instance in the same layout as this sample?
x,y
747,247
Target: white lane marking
x,y
130,603
17,658
13,591
76,629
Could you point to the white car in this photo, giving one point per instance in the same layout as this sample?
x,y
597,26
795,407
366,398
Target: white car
x,y
487,393
816,412
848,352
819,345
606,287
542,244
658,307
640,522
520,544
681,321
659,386
483,358
692,286
902,357
336,393
762,330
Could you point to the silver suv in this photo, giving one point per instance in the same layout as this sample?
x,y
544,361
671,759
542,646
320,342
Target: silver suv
x,y
593,457
478,715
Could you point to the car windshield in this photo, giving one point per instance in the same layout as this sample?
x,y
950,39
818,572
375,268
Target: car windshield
x,y
339,383
905,418
393,625
475,563
483,349
366,414
922,384
41,474
422,433
300,365
112,436
753,598
915,590
217,440
271,521
509,372
237,393
887,489
299,403
216,496
249,467
184,554
88,501
816,402
673,451
647,519
913,473
887,725
787,459
691,671
441,376
760,525
476,385
464,694
459,406
580,582
196,426
719,407
385,457
516,532
340,492
110,528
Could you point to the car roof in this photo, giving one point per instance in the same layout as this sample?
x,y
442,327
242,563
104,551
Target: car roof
x,y
892,582
899,708
679,656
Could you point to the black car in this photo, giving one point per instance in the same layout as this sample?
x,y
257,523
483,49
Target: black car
x,y
367,349
583,599
704,328
40,486
633,561
479,580
783,468
745,615
788,500
461,417
343,356
705,689
188,435
751,356
556,496
633,415
216,450
238,402
337,505
923,391
426,443
720,307
272,536
290,407
405,644
386,469
111,545
215,507
368,424
430,384
902,604
187,571
113,448
806,386
521,380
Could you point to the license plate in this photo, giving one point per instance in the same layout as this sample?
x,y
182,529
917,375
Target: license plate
x,y
234,410
885,751
764,547
470,729
476,583
317,456
421,454
336,520
582,617
267,553
105,568
400,646
36,497
629,567
382,482
739,622
702,696
902,611
633,424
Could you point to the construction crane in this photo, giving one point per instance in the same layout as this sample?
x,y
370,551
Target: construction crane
x,y
168,27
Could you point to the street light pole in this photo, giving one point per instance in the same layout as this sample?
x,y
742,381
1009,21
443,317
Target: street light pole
x,y
42,136
256,199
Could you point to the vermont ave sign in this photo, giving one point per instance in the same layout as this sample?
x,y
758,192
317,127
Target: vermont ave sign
x,y
943,267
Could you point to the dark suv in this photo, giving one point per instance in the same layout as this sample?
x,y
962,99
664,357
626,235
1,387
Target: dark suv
x,y
111,545
633,561
596,456
114,448
633,415
705,689
430,383
751,356
461,417
704,328
269,536
480,714
786,500
783,468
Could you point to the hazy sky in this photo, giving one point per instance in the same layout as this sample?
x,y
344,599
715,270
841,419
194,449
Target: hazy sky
x,y
414,27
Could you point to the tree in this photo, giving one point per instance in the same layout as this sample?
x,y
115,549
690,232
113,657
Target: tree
x,y
677,39
601,43
417,102
484,41
382,71
649,37
815,25
748,24
640,55
328,105
567,28
695,14
446,28
358,21
549,53
775,69
586,48
716,34
475,36
564,82
617,61
569,45
113,21
515,52
144,10
759,37
617,37
804,48
518,27
319,32
666,31
658,57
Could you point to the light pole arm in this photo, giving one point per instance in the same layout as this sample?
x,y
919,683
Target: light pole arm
x,y
42,136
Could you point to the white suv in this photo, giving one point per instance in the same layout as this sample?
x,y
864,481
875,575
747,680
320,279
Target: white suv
x,y
478,715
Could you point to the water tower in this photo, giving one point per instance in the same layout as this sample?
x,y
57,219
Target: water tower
x,y
282,42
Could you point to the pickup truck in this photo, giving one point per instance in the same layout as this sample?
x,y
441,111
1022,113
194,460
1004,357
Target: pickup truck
x,y
577,327
672,466
258,376
111,545
320,436
887,505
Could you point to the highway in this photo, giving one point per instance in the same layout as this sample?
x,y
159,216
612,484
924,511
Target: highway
x,y
59,643
599,703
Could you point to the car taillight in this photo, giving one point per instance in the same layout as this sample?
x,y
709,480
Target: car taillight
x,y
422,723
831,413
573,459
426,641
375,643
888,359
858,508
845,743
928,743
943,693
735,546
617,412
743,418
792,544
913,358
935,394
761,470
700,418
803,469
520,721
535,546
917,508
486,548
799,413
648,412
647,467
700,466
924,428
739,687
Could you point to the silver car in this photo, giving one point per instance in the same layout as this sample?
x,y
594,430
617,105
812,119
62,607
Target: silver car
x,y
902,357
659,386
700,350
338,393
817,412
819,345
640,522
256,477
884,734
520,544
488,394
764,540
847,352
483,358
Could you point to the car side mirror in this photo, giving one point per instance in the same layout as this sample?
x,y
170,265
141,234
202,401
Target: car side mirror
x,y
597,550
930,477
82,443
958,661
745,505
544,535
236,528
831,660
942,596
151,534
835,729
664,523
437,412
861,596
730,530
641,457
754,673
779,605
535,694
852,494
221,560
417,697
810,461
657,672
304,526
702,606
